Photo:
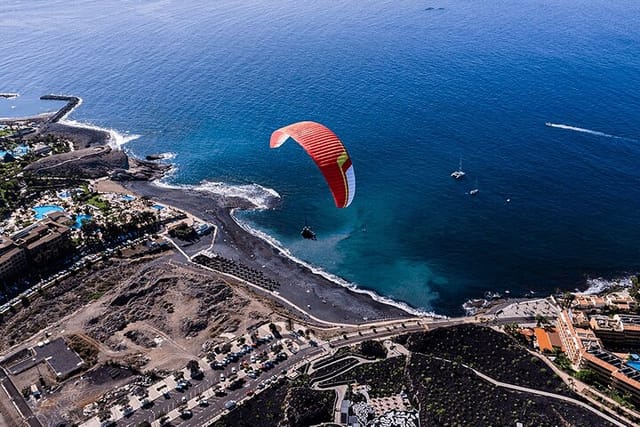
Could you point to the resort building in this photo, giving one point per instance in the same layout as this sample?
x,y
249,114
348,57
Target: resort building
x,y
13,259
621,301
614,372
619,331
44,241
575,340
589,302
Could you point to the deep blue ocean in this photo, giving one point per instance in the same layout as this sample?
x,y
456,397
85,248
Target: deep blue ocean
x,y
411,87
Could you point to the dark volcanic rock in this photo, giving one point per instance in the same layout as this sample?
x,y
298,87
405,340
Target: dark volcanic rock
x,y
86,163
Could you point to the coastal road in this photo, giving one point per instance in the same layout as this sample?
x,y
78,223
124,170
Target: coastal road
x,y
384,330
202,414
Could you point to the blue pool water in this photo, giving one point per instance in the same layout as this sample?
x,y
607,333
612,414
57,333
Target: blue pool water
x,y
128,198
41,211
20,150
79,219
157,207
410,87
634,364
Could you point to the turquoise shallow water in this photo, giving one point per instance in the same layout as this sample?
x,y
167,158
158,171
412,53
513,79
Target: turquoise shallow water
x,y
411,87
41,211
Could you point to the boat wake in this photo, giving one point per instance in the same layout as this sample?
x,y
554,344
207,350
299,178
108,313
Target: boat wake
x,y
589,131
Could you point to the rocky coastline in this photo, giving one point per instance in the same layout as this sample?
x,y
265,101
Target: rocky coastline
x,y
310,295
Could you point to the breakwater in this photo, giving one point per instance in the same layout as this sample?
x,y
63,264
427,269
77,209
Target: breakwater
x,y
72,103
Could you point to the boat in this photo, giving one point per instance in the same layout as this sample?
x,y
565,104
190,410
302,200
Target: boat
x,y
308,233
459,173
475,190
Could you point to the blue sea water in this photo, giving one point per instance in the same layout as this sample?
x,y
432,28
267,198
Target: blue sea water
x,y
411,86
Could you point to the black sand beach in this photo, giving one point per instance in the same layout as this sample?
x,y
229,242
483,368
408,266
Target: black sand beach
x,y
321,298
313,293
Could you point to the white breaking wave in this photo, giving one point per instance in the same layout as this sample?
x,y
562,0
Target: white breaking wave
x,y
168,156
260,197
116,139
71,110
263,198
332,277
598,285
589,131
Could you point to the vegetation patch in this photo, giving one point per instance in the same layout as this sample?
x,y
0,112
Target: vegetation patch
x,y
385,378
263,410
452,395
492,353
309,407
87,351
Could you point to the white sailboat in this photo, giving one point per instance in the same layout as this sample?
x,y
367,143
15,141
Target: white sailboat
x,y
457,174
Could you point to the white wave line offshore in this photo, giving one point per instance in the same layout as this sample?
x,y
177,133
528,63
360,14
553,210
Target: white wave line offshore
x,y
116,139
589,131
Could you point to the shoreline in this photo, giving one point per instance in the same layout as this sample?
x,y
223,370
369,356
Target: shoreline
x,y
325,295
299,285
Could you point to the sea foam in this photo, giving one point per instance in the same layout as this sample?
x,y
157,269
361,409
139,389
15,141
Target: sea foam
x,y
116,139
259,196
332,277
598,285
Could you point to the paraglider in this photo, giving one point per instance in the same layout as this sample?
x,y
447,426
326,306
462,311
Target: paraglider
x,y
329,154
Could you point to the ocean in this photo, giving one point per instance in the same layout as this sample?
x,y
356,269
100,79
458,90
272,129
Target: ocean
x,y
411,87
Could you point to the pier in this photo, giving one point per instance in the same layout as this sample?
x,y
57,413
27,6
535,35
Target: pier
x,y
72,103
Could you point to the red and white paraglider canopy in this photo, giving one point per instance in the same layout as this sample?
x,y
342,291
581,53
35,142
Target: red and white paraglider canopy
x,y
328,152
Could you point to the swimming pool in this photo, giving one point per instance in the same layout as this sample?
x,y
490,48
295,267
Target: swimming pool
x,y
41,211
79,219
20,150
127,198
634,364
158,207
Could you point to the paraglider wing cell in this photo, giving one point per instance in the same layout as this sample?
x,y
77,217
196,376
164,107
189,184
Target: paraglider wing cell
x,y
329,154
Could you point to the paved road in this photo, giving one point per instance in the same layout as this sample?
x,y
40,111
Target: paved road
x,y
201,415
19,403
215,406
